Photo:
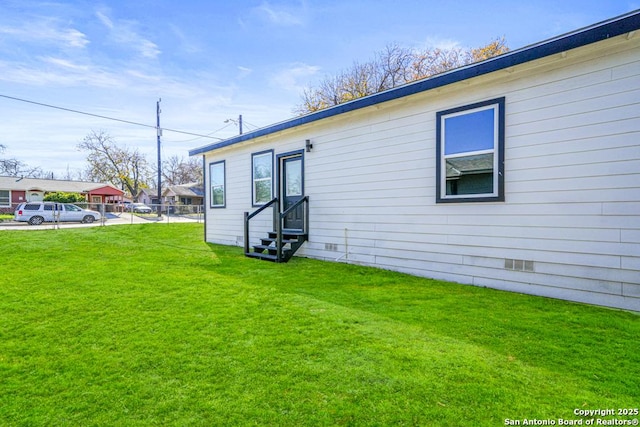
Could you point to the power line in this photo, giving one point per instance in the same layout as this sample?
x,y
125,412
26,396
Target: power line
x,y
250,124
107,118
209,134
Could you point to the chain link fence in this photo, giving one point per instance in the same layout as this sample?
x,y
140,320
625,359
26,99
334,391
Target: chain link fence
x,y
53,213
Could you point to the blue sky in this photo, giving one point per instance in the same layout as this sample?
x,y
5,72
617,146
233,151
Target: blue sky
x,y
213,60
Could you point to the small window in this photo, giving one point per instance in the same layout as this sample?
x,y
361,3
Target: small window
x,y
217,181
262,176
470,153
5,198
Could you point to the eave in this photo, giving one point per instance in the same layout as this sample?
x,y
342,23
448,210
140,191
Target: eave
x,y
623,24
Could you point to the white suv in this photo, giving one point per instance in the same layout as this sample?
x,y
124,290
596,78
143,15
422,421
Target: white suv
x,y
35,213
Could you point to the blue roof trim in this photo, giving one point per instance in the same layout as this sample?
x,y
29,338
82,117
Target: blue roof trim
x,y
585,36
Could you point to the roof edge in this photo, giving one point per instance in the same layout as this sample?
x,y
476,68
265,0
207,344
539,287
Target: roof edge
x,y
581,37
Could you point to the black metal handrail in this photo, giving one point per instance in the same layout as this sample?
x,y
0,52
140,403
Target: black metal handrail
x,y
290,209
261,208
247,216
278,218
305,222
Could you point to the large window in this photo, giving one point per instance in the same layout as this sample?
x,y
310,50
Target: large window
x,y
262,176
5,198
217,182
470,153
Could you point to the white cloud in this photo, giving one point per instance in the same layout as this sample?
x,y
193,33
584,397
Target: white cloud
x,y
106,21
48,31
64,63
243,72
441,43
124,33
20,73
280,15
148,49
73,38
54,72
294,77
186,44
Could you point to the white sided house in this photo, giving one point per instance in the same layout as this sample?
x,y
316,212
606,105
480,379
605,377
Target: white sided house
x,y
521,173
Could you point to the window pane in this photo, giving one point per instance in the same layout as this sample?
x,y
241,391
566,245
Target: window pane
x,y
262,191
469,132
293,185
262,177
218,196
470,175
262,166
216,175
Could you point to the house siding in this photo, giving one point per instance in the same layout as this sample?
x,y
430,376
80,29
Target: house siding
x,y
570,224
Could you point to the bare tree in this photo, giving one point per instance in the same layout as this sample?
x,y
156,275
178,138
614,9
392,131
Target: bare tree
x,y
14,167
10,167
71,176
108,162
7,166
177,171
393,66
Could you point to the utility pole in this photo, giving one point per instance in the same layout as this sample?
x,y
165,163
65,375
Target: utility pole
x,y
159,133
237,122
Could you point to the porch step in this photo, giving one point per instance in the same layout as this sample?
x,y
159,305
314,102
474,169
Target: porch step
x,y
263,256
294,235
285,241
270,243
272,250
268,240
268,249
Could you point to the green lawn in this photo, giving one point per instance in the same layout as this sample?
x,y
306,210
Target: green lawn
x,y
142,325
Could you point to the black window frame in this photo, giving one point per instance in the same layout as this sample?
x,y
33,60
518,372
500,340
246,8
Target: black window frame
x,y
224,185
254,203
498,151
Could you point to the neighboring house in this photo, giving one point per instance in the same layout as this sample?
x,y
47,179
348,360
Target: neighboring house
x,y
520,173
185,194
14,190
148,196
174,195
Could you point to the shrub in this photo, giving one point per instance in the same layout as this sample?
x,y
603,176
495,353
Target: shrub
x,y
62,197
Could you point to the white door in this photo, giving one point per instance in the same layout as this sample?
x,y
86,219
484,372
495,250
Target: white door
x,y
35,196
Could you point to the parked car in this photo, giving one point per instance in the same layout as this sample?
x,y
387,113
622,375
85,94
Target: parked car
x,y
35,213
138,208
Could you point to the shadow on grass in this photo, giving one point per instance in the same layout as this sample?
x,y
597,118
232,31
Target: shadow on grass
x,y
595,343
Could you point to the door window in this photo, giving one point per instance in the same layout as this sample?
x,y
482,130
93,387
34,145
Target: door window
x,y
293,184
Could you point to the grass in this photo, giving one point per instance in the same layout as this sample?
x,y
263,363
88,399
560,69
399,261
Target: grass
x,y
144,325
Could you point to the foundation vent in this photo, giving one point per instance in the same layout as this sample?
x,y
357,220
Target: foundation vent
x,y
331,247
518,265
